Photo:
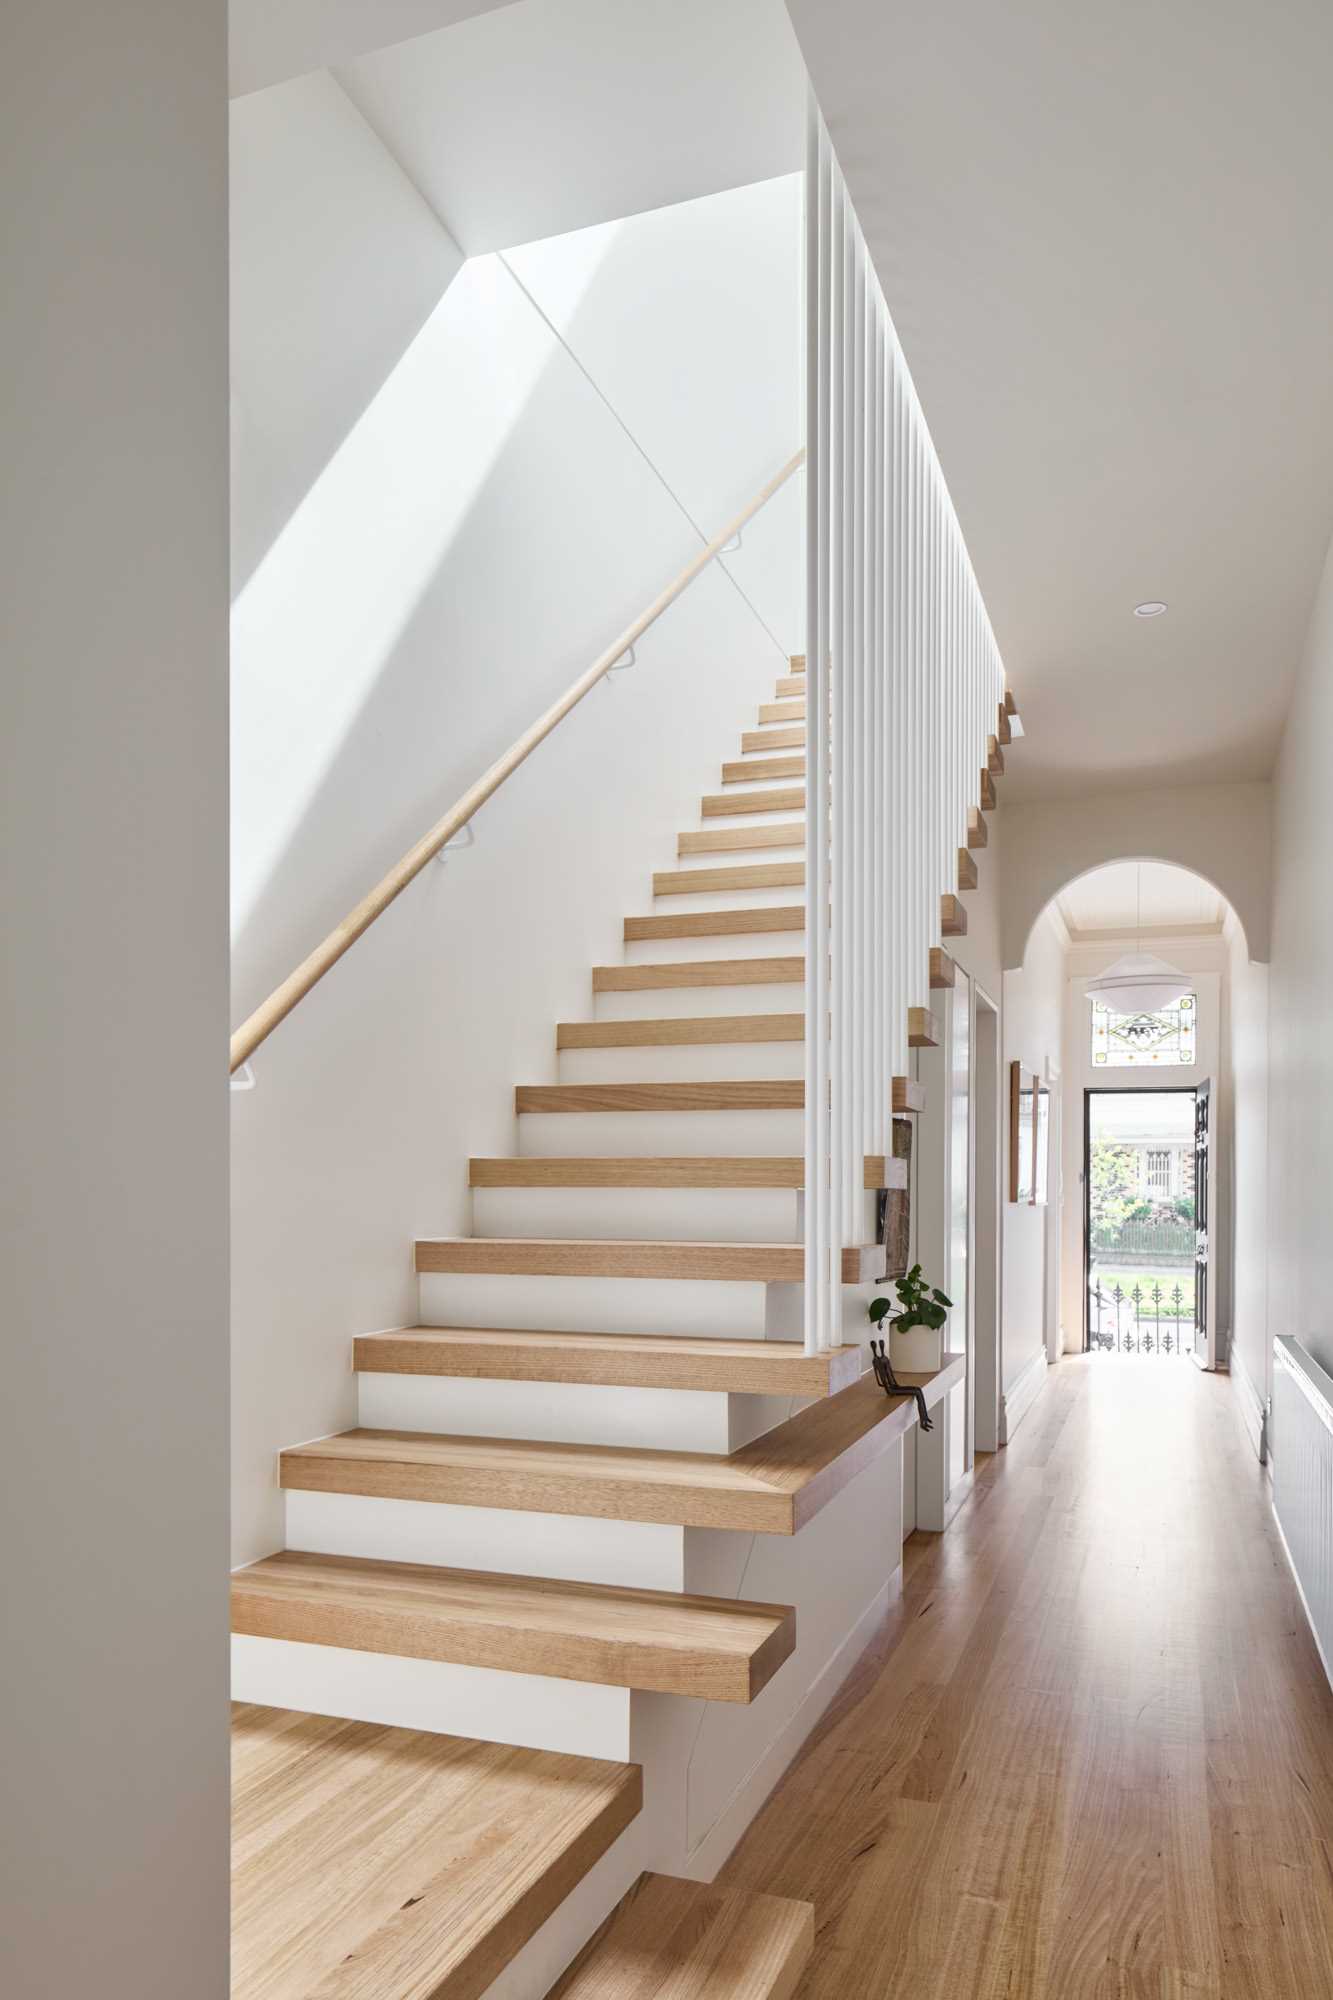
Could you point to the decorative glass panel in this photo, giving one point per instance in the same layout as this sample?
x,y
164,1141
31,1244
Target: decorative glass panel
x,y
1143,1041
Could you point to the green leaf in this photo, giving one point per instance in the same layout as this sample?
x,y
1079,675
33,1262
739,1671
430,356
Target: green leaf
x,y
877,1309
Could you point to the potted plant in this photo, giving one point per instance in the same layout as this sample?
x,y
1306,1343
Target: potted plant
x,y
914,1321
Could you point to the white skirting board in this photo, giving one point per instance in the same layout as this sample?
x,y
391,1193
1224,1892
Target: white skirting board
x,y
1303,1482
1253,1413
1018,1400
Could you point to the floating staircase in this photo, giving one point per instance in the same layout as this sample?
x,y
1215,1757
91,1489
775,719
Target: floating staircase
x,y
522,1572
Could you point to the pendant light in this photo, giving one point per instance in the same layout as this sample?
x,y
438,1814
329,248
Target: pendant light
x,y
1138,983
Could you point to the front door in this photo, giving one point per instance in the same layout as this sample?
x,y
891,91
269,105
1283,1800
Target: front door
x,y
1202,1329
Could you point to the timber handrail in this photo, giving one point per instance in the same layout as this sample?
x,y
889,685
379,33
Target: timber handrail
x,y
311,970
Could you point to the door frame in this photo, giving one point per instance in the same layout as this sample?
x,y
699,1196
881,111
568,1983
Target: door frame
x,y
987,1221
1090,1091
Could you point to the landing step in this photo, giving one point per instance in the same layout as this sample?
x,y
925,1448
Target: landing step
x,y
720,1649
787,799
699,972
620,1257
677,1031
400,1863
771,1487
675,1940
755,875
695,1170
611,1360
717,923
782,1093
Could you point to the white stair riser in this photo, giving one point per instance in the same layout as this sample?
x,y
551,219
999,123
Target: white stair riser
x,y
559,1412
570,1413
794,819
533,1710
580,1548
775,897
723,1309
652,1215
716,944
549,1134
762,781
712,1062
674,1003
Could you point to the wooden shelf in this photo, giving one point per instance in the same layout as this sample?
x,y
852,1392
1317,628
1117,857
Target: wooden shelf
x,y
662,1641
717,923
680,1030
616,1257
394,1862
703,1170
934,1383
674,1940
773,1486
619,1360
699,972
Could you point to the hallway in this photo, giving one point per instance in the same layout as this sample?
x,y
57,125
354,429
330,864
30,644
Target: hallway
x,y
1092,1751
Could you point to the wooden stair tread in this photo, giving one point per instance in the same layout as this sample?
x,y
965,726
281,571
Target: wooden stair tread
x,y
623,1257
675,1940
747,875
943,970
953,917
676,1031
782,1093
923,1030
967,869
717,923
787,798
662,1641
772,1486
789,684
397,1862
744,772
739,839
782,711
696,1170
615,1360
786,737
699,972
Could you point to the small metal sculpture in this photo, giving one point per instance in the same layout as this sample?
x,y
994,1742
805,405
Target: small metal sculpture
x,y
889,1383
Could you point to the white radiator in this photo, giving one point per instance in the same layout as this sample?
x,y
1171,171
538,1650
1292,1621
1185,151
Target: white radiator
x,y
1303,1481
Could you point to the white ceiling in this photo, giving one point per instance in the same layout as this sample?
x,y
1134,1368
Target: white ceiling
x,y
1127,894
534,119
269,41
1106,237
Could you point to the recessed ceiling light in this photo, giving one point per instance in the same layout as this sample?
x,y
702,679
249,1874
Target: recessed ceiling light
x,y
1152,609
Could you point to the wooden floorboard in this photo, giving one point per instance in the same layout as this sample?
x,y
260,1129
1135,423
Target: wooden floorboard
x,y
1090,1752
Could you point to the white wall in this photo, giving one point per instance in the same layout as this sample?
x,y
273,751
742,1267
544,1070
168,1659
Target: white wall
x,y
1221,832
113,850
1245,1060
1300,1263
336,263
1033,1034
484,530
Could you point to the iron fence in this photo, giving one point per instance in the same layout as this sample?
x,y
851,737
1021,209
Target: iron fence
x,y
1143,1319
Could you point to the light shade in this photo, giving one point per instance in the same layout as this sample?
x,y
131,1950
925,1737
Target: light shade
x,y
1139,984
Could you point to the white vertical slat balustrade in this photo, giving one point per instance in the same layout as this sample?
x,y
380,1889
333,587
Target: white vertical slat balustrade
x,y
903,684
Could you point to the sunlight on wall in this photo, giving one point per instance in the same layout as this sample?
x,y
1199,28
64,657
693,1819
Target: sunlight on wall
x,y
315,624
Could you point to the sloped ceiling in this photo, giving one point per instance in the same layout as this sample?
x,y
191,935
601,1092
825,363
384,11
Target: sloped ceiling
x,y
1106,237
543,117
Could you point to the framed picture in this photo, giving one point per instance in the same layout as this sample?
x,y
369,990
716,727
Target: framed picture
x,y
1041,1142
1022,1133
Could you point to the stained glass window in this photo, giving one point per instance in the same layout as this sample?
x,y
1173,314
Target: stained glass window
x,y
1142,1041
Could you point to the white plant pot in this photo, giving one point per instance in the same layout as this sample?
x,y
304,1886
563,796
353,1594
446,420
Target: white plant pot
x,y
919,1352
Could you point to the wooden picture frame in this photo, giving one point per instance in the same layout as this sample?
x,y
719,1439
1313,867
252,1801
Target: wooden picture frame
x,y
1041,1142
1022,1133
